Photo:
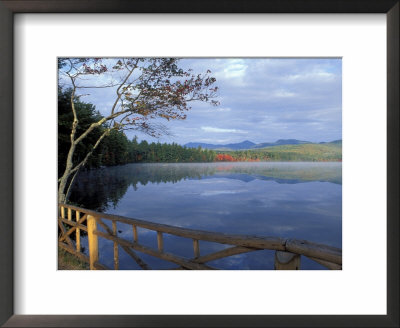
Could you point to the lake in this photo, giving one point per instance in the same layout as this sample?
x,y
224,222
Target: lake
x,y
295,200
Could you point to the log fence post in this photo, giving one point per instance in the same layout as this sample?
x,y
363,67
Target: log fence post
x,y
93,241
135,234
286,261
160,242
78,233
116,260
196,248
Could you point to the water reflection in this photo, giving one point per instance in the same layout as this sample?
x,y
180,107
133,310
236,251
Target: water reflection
x,y
294,200
99,189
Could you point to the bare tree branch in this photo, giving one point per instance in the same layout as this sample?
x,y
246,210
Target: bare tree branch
x,y
160,90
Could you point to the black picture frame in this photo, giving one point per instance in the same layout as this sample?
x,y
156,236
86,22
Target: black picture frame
x,y
10,7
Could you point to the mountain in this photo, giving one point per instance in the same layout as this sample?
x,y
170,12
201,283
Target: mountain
x,y
281,142
335,142
246,144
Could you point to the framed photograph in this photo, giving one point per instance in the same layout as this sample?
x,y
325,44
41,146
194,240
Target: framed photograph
x,y
257,88
172,149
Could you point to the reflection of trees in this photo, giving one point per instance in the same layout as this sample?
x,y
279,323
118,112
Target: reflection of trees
x,y
101,188
96,189
290,172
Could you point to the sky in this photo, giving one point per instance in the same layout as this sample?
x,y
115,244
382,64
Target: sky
x,y
261,100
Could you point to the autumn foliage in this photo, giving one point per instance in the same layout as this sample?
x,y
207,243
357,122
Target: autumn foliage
x,y
230,158
224,158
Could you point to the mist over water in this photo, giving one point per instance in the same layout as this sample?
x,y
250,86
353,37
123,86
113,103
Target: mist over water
x,y
297,200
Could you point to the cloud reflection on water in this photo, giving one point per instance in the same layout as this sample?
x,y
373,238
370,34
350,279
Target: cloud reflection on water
x,y
300,200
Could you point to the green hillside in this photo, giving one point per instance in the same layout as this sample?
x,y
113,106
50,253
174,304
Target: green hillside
x,y
331,151
305,152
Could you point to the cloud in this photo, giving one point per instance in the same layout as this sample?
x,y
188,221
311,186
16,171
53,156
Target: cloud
x,y
219,130
235,68
284,94
213,110
261,99
318,74
223,109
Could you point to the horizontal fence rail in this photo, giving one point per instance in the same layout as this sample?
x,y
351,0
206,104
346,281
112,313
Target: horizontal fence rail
x,y
288,252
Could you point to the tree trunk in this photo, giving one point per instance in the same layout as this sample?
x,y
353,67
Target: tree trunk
x,y
69,169
67,173
62,187
61,193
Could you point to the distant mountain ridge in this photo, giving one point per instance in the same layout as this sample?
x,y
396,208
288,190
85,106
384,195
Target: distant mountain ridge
x,y
251,145
281,142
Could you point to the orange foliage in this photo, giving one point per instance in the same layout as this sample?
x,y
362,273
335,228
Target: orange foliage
x,y
224,158
229,158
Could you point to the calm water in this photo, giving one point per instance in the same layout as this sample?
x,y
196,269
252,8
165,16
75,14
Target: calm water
x,y
298,200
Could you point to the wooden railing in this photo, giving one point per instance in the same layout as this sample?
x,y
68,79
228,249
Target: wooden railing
x,y
288,252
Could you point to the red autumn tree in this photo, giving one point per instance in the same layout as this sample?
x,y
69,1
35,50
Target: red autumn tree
x,y
224,158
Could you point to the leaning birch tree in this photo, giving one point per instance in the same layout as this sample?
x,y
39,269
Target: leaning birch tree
x,y
146,90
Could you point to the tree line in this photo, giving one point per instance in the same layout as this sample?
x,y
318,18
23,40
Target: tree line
x,y
115,148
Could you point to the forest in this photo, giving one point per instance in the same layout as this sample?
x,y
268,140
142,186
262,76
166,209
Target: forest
x,y
117,149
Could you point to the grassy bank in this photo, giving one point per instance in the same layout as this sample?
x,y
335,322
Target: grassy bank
x,y
67,261
307,152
